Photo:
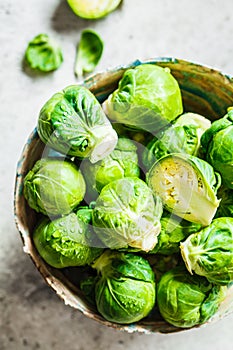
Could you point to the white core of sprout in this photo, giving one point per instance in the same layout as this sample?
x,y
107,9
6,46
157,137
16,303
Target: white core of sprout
x,y
107,140
182,191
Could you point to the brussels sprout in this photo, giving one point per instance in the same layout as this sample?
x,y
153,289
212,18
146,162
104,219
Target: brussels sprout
x,y
89,52
125,291
217,143
66,241
43,53
54,187
148,98
185,300
163,263
173,231
93,9
73,123
181,137
209,252
122,162
87,286
187,186
126,215
226,202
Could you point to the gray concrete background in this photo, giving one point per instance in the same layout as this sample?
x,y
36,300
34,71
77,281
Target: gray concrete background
x,y
31,315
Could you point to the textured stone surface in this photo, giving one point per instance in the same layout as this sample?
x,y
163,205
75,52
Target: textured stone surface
x,y
31,315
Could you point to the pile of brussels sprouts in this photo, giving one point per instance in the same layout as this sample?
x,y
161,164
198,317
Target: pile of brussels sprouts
x,y
140,194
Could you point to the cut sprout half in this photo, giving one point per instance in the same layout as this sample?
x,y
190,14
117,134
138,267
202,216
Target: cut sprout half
x,y
182,189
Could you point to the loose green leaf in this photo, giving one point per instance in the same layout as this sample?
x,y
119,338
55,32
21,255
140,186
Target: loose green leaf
x,y
43,53
89,52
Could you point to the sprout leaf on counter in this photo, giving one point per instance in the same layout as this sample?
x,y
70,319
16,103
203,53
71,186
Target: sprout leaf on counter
x,y
43,53
89,52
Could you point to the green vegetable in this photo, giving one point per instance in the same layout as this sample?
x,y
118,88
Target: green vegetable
x,y
148,97
43,53
181,137
125,292
66,241
217,143
54,187
73,123
226,202
93,9
209,252
187,186
163,263
122,162
87,286
173,231
126,215
185,300
89,52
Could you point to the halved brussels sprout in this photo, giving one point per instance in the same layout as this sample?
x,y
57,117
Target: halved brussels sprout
x,y
148,97
66,241
217,143
122,162
209,252
73,123
54,187
183,136
187,186
125,290
93,9
186,301
173,231
126,215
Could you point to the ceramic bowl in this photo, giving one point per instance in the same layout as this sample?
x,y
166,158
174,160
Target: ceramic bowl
x,y
205,91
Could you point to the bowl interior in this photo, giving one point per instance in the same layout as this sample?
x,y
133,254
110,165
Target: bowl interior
x,y
204,91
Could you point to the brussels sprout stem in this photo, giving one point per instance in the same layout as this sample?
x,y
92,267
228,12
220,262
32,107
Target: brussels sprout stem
x,y
106,142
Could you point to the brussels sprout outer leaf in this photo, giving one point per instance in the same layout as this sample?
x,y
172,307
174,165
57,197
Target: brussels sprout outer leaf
x,y
122,162
127,215
209,252
173,231
185,300
43,53
187,187
225,208
54,187
125,292
73,123
93,9
65,242
148,98
89,52
217,143
183,136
